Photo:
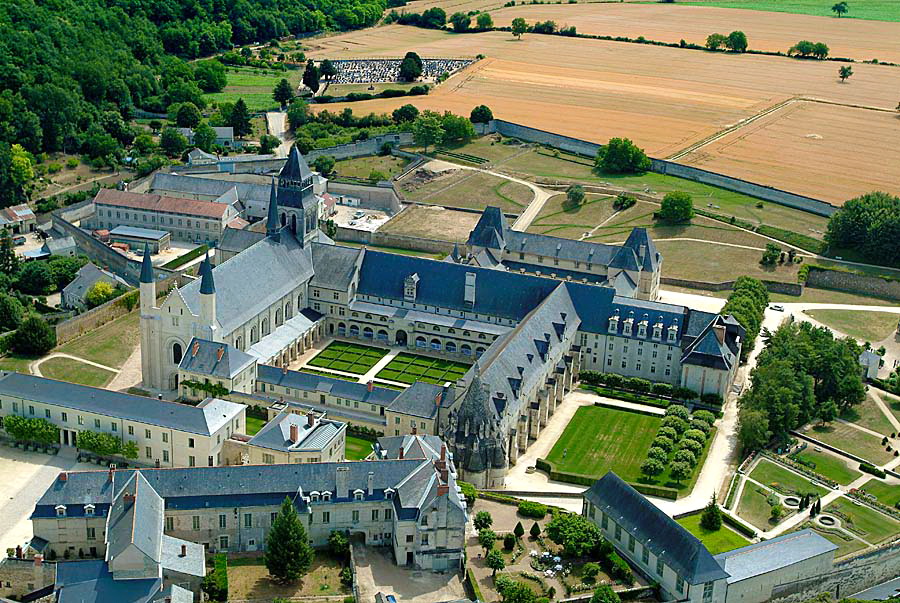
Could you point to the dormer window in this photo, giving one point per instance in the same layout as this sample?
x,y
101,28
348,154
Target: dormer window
x,y
627,326
657,330
89,510
389,493
326,496
614,323
60,510
314,496
410,285
642,328
358,494
673,333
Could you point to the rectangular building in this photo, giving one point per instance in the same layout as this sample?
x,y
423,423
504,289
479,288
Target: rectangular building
x,y
136,238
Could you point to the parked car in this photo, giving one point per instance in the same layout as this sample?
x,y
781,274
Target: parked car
x,y
778,307
19,240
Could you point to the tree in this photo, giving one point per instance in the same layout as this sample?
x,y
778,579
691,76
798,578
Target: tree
x,y
188,116
803,48
868,224
771,255
777,512
652,467
481,114
34,337
210,76
519,27
535,530
99,293
574,196
715,41
487,538
9,261
840,8
405,113
820,50
460,22
484,21
828,411
434,18
283,92
36,278
845,72
711,519
311,76
172,142
679,470
519,530
339,544
327,70
494,561
457,129
676,207
298,114
517,592
621,156
576,534
605,594
410,67
268,143
288,554
483,520
21,170
324,164
736,41
11,312
204,137
590,570
427,130
239,119
129,449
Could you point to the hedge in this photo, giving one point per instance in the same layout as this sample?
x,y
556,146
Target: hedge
x,y
872,470
472,583
738,525
531,509
25,429
588,480
469,492
185,258
215,584
619,569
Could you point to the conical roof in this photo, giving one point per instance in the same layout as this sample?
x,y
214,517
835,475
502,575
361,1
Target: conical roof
x,y
146,266
273,226
296,167
207,285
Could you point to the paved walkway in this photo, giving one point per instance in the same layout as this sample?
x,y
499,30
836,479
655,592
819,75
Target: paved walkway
x,y
35,366
276,121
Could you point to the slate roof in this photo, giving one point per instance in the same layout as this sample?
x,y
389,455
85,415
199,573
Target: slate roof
x,y
202,357
202,420
295,168
706,349
91,582
150,202
335,265
88,275
771,555
237,240
58,245
654,529
142,233
422,400
135,519
276,434
341,388
191,564
210,187
419,446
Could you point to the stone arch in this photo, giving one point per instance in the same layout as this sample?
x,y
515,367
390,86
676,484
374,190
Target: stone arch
x,y
368,332
264,328
436,344
466,349
354,330
278,317
420,342
402,338
450,347
253,335
342,329
177,349
288,311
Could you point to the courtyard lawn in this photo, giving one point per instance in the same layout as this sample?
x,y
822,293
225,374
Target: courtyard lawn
x,y
110,344
254,424
846,543
848,438
348,357
600,439
868,414
718,541
886,493
361,167
73,371
248,578
753,508
859,324
356,449
869,524
409,368
784,480
830,466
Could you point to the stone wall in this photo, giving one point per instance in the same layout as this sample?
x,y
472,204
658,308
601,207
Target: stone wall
x,y
854,283
24,576
384,239
847,578
772,286
362,148
370,196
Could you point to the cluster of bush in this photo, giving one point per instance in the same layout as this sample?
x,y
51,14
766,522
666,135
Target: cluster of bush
x,y
623,201
679,442
747,303
106,444
807,49
22,429
531,509
365,433
419,90
636,384
736,41
580,538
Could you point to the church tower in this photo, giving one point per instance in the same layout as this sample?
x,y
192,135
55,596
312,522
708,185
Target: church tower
x,y
207,300
149,324
298,206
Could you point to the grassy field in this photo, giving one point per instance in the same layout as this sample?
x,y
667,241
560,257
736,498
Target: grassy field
x,y
361,167
718,541
342,89
476,190
875,10
356,449
710,262
110,344
254,424
753,508
397,250
893,403
852,440
862,325
869,415
254,86
66,369
830,466
348,357
490,148
886,493
251,580
599,439
432,222
16,363
409,368
783,480
869,524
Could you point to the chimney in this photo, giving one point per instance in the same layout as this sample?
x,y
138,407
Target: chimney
x,y
219,353
414,430
63,476
370,385
196,348
128,498
183,550
443,490
437,397
469,294
110,474
445,475
310,420
342,482
284,370
370,484
720,332
295,434
443,452
38,560
401,454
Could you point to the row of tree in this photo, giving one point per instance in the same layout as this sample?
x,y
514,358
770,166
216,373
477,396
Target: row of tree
x,y
868,225
747,304
679,443
736,41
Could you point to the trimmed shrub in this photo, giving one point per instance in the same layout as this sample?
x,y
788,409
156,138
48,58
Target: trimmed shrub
x,y
509,541
664,443
866,467
695,434
706,416
531,509
657,453
677,410
692,445
676,423
684,393
712,399
661,389
685,456
700,426
619,569
668,432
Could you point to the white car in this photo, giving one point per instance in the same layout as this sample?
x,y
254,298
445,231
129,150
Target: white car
x,y
778,307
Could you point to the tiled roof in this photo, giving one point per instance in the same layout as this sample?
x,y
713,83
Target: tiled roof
x,y
771,555
149,202
202,357
201,420
88,275
335,265
135,519
654,529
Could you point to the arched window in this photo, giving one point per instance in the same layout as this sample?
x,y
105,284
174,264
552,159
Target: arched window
x,y
450,347
342,329
177,353
300,302
479,352
466,349
354,331
239,343
382,335
253,337
367,332
283,219
265,326
420,342
294,223
278,317
288,311
436,344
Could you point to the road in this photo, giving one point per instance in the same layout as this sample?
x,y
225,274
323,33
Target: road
x,y
277,124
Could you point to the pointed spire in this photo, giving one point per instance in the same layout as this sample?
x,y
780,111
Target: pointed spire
x,y
147,266
295,168
455,254
207,285
273,226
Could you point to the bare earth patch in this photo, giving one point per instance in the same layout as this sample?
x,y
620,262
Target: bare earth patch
x,y
432,223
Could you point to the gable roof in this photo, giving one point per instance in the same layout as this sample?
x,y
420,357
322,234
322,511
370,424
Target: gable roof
x,y
335,265
202,356
341,388
652,527
88,275
421,400
276,434
149,202
135,519
92,582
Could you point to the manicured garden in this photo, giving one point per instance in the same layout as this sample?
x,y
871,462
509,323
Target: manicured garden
x,y
73,371
254,424
827,465
348,357
852,440
753,506
409,368
870,525
784,480
716,541
886,493
356,449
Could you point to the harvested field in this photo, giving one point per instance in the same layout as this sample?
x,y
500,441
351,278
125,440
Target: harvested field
x,y
432,223
883,10
710,262
778,150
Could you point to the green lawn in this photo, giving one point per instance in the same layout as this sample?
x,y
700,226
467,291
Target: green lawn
x,y
859,324
254,424
66,369
254,86
348,357
753,508
846,544
356,449
474,190
830,466
397,250
718,541
16,363
783,480
852,440
409,368
876,10
869,524
600,439
868,414
110,344
886,493
361,167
